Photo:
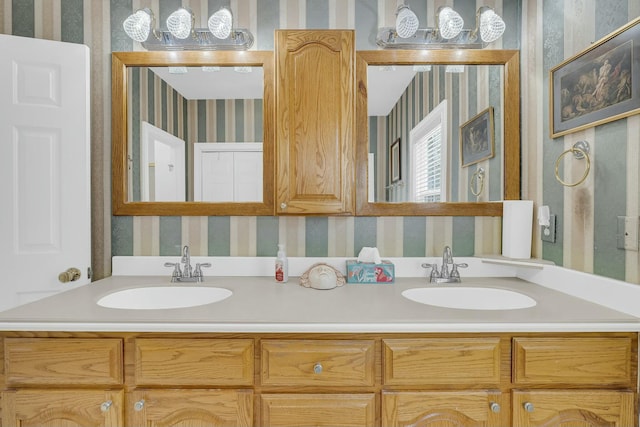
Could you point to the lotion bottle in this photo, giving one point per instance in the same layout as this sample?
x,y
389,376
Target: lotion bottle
x,y
282,265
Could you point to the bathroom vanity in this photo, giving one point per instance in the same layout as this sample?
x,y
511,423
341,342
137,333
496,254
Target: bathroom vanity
x,y
284,355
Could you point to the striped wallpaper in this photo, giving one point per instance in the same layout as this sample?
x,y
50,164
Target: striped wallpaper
x,y
546,31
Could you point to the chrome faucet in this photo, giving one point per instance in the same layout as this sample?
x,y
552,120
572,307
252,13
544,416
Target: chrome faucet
x,y
445,275
186,273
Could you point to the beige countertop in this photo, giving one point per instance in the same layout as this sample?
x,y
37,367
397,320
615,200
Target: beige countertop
x,y
258,304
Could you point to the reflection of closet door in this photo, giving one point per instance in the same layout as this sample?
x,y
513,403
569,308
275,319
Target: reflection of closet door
x,y
227,172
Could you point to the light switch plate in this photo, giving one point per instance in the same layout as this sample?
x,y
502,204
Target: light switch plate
x,y
627,236
548,234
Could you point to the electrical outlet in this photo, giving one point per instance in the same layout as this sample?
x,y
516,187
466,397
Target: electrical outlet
x,y
548,234
627,237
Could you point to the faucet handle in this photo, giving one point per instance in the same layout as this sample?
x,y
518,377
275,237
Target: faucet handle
x,y
198,271
434,270
454,271
176,268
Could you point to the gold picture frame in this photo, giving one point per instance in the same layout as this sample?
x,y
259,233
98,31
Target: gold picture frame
x,y
598,85
477,138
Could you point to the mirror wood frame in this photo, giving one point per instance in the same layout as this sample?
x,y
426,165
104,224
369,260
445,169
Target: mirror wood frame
x,y
511,98
119,125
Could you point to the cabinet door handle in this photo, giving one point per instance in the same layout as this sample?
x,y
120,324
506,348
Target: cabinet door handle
x,y
495,407
528,406
283,205
106,405
317,368
139,405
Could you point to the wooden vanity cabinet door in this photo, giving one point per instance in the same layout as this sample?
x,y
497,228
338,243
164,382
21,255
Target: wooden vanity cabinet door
x,y
332,363
575,408
69,408
194,362
293,410
193,408
315,112
445,408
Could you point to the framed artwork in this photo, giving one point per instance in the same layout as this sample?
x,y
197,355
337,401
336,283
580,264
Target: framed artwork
x,y
598,85
395,170
477,138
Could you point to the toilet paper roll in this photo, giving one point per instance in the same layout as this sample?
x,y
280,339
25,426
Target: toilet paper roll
x,y
517,227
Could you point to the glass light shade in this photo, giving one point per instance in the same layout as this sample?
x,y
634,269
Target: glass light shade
x,y
138,25
421,68
220,23
180,23
210,69
491,25
454,69
406,22
450,23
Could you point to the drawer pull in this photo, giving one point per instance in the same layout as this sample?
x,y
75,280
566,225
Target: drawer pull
x,y
139,405
495,407
106,405
528,406
317,368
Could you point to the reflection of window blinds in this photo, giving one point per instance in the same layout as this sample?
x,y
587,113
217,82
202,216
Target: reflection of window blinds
x,y
428,170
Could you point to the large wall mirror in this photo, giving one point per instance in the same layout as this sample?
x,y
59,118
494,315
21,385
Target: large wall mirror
x,y
438,132
193,133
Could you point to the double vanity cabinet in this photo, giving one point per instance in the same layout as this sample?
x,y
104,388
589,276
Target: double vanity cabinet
x,y
295,379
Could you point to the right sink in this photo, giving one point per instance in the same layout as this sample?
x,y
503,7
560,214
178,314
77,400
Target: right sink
x,y
470,298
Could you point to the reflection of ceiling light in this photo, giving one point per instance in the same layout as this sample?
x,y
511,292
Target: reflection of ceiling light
x,y
220,23
448,34
208,69
177,70
406,22
180,34
180,23
454,69
242,69
421,68
450,22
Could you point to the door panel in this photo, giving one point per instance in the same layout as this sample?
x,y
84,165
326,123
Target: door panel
x,y
45,220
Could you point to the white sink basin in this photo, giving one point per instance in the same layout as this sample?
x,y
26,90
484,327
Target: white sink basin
x,y
163,297
470,298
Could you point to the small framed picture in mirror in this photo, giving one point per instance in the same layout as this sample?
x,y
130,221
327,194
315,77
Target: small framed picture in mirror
x,y
477,138
395,161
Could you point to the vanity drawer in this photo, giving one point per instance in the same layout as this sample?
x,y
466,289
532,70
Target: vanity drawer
x,y
318,362
598,361
63,361
435,361
198,361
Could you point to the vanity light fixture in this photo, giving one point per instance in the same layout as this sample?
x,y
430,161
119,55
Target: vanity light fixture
x,y
406,21
448,34
181,34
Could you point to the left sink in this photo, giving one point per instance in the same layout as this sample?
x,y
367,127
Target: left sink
x,y
163,297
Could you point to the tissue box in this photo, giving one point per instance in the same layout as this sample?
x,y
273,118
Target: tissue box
x,y
368,272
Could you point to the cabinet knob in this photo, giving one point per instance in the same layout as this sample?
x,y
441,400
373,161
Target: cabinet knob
x,y
317,368
283,205
106,405
139,405
495,407
528,406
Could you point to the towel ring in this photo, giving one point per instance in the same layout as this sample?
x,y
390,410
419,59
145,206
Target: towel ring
x,y
476,184
580,151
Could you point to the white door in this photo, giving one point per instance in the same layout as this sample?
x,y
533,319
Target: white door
x,y
45,214
163,166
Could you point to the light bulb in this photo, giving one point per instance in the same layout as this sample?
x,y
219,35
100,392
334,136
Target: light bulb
x,y
220,23
491,25
450,22
180,23
138,25
406,22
